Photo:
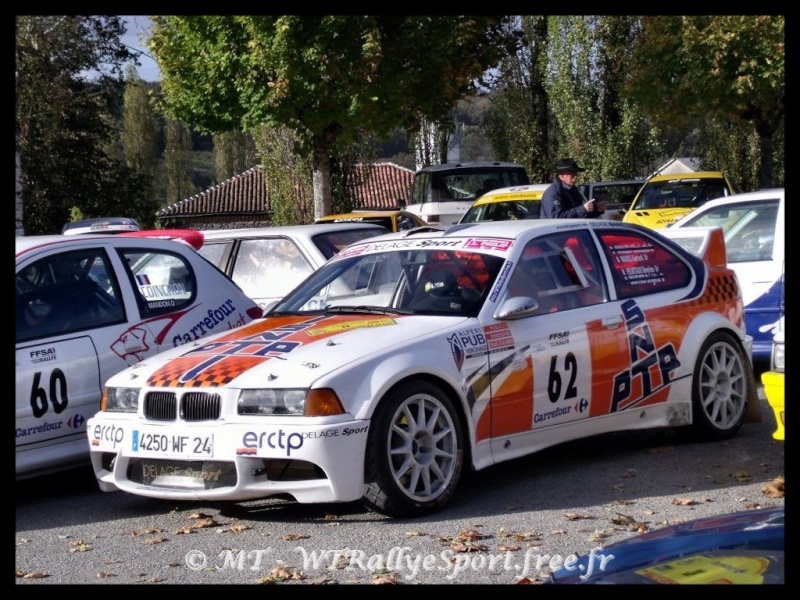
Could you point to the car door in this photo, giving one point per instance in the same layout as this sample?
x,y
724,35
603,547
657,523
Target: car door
x,y
562,351
66,303
85,314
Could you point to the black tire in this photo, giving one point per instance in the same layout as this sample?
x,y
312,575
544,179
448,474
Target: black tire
x,y
720,388
415,452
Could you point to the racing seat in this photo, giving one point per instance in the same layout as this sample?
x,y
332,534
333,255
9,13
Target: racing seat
x,y
437,290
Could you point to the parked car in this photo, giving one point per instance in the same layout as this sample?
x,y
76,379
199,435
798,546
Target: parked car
x,y
89,306
441,194
755,238
774,381
101,225
393,220
515,202
619,195
666,198
744,547
410,357
267,262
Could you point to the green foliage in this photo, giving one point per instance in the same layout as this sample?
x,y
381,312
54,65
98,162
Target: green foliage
x,y
726,68
287,176
327,78
178,162
62,119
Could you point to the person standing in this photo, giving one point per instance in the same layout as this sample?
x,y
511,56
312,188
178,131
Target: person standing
x,y
563,200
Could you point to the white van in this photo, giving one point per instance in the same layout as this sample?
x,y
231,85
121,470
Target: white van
x,y
754,226
441,194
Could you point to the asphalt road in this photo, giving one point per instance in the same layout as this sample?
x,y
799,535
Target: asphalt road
x,y
504,520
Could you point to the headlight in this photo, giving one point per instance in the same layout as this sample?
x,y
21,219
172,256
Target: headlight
x,y
120,399
272,402
310,403
778,356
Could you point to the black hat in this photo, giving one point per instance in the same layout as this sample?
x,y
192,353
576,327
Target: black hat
x,y
568,164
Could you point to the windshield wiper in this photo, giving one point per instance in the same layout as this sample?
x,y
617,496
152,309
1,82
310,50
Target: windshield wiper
x,y
369,310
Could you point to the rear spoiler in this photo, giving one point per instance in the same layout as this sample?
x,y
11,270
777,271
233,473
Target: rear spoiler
x,y
193,238
706,242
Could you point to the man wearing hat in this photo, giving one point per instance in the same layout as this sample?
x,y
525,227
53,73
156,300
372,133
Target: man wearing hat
x,y
563,200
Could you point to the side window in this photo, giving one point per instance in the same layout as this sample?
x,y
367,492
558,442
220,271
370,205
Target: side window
x,y
67,293
750,232
216,253
641,266
163,281
561,272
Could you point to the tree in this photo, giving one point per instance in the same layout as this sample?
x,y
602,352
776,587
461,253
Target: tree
x,y
69,80
327,78
729,68
178,161
234,153
519,120
139,130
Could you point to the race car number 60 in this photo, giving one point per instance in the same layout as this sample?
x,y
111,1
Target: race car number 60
x,y
181,444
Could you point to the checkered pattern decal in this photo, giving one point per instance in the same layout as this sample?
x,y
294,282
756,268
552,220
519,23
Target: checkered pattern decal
x,y
720,288
200,371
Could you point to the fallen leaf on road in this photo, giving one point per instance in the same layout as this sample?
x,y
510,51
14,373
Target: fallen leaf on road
x,y
293,537
741,475
683,501
146,532
470,534
34,575
576,516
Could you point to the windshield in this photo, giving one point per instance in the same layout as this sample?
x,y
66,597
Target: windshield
x,y
420,281
680,193
749,228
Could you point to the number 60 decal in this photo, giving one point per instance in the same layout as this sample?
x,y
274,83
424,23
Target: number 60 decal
x,y
58,393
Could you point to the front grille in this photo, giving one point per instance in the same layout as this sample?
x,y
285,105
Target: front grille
x,y
160,406
194,406
200,406
182,474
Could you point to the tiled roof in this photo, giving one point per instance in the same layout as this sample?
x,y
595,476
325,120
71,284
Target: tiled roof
x,y
243,200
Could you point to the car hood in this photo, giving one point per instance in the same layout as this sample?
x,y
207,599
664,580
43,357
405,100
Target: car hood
x,y
294,350
749,542
655,218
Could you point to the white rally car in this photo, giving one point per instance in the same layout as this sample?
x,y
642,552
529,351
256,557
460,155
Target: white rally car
x,y
412,356
88,306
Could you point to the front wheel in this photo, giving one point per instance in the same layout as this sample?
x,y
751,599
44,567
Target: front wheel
x,y
415,452
719,388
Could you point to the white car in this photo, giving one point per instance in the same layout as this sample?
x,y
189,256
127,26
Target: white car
x,y
88,306
267,262
410,357
754,225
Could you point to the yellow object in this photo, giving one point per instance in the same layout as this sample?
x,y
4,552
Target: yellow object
x,y
709,570
774,389
664,199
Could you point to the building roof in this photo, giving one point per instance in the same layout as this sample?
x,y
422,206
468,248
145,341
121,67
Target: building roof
x,y
244,200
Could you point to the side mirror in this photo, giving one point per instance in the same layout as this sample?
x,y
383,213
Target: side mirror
x,y
517,307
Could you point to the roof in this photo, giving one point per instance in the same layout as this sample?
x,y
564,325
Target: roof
x,y
100,225
244,200
684,164
488,164
687,175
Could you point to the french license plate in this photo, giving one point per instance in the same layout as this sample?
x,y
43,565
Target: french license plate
x,y
148,443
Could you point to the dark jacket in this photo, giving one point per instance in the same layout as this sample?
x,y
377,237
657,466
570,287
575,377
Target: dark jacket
x,y
558,202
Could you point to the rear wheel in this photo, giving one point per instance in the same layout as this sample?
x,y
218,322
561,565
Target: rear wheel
x,y
719,388
414,452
